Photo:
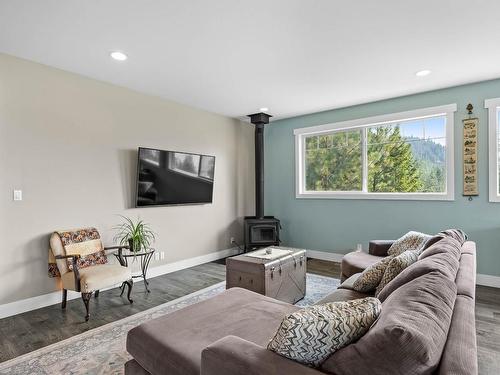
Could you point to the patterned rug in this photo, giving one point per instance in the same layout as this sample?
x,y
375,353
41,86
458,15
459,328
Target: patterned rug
x,y
102,350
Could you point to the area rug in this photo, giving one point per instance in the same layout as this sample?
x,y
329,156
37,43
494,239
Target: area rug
x,y
102,350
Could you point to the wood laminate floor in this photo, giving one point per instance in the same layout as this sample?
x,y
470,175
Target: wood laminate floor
x,y
32,330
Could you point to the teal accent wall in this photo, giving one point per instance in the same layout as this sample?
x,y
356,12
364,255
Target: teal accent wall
x,y
338,225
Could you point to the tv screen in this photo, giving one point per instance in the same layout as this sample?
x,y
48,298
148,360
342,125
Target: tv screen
x,y
172,177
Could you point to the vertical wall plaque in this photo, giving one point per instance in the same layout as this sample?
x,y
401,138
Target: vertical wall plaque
x,y
470,156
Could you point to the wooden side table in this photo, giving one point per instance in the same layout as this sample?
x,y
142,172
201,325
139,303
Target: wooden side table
x,y
144,256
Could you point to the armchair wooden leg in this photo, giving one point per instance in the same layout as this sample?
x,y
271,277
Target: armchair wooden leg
x,y
64,298
86,299
96,294
129,283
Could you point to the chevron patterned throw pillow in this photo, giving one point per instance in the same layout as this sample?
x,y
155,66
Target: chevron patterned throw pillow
x,y
410,241
396,266
371,277
310,335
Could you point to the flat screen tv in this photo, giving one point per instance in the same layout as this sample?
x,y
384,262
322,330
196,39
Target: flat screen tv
x,y
173,177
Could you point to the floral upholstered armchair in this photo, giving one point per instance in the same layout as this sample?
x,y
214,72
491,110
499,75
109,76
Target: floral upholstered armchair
x,y
79,258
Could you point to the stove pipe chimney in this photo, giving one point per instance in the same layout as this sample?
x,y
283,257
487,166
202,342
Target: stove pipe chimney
x,y
259,120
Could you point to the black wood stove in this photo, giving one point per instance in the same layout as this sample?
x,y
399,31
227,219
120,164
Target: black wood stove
x,y
259,230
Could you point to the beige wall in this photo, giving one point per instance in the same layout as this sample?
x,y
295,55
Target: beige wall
x,y
70,143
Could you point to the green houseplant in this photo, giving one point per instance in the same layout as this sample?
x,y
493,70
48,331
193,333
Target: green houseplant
x,y
138,235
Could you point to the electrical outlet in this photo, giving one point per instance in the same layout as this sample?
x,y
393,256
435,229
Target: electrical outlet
x,y
359,247
157,256
232,240
162,255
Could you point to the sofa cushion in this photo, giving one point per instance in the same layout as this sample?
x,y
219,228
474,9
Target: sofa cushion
x,y
340,294
431,241
442,257
456,234
370,278
409,335
395,266
447,245
172,344
313,333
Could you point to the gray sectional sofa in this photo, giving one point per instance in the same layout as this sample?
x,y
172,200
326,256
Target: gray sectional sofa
x,y
426,326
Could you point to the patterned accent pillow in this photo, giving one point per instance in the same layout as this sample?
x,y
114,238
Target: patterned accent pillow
x,y
86,243
371,277
410,241
396,266
310,335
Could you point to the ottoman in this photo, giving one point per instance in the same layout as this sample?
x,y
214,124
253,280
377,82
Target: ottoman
x,y
172,344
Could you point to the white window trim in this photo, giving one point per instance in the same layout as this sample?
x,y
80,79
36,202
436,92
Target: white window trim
x,y
300,135
493,106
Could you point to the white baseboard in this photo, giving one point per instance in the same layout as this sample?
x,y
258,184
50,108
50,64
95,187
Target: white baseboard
x,y
488,280
33,303
323,255
191,262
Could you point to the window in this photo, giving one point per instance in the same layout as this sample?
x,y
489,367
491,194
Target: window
x,y
193,165
493,106
405,155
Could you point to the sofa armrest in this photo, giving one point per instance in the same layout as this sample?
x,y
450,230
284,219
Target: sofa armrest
x,y
379,247
234,355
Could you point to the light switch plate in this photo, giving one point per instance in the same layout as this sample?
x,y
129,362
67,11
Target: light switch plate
x,y
18,195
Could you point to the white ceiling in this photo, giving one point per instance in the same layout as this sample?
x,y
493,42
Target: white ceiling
x,y
233,56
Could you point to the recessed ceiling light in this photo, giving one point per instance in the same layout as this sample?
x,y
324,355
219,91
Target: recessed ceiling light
x,y
119,56
423,73
264,109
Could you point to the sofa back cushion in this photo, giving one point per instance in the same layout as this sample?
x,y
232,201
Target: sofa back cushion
x,y
408,337
447,245
443,257
456,234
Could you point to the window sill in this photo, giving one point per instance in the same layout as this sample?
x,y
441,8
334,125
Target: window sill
x,y
377,196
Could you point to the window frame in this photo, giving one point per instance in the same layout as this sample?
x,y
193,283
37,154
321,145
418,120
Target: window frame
x,y
302,133
493,106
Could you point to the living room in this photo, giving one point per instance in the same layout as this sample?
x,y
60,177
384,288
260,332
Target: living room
x,y
278,187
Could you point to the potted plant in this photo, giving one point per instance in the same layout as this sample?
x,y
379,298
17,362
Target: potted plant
x,y
137,235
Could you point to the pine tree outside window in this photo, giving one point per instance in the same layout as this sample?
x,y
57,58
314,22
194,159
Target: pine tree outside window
x,y
406,155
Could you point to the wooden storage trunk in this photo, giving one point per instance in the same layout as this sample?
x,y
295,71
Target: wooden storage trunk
x,y
283,278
